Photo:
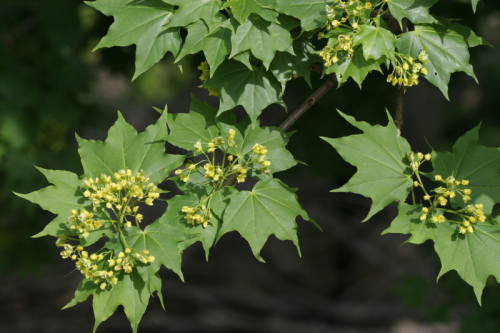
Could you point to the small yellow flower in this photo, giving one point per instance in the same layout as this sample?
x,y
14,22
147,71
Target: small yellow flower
x,y
465,182
415,184
425,210
103,285
427,197
438,178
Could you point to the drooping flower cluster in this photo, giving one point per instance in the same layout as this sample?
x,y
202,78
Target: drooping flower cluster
x,y
97,267
231,166
205,75
406,70
83,222
121,196
439,197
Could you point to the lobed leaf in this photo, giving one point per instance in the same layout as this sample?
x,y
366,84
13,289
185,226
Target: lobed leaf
x,y
377,42
241,9
238,85
447,46
478,164
261,37
140,22
379,155
125,148
475,256
311,13
417,11
270,208
194,10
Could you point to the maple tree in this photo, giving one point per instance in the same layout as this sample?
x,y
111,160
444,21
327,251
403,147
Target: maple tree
x,y
253,48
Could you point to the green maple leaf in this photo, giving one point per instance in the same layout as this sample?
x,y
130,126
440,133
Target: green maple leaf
x,y
263,38
474,4
478,164
285,65
216,45
417,11
125,148
65,194
270,208
130,292
447,46
194,10
273,138
175,218
253,89
241,9
140,22
473,255
377,42
200,123
378,154
356,67
162,242
311,13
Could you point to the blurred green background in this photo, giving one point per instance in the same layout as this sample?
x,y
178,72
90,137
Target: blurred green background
x,y
349,279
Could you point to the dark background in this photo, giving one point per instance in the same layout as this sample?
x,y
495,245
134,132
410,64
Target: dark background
x,y
349,279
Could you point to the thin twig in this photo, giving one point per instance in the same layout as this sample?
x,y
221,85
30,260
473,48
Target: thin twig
x,y
400,100
329,84
310,101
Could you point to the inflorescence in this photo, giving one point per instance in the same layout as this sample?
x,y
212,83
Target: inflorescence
x,y
217,173
350,15
120,195
439,197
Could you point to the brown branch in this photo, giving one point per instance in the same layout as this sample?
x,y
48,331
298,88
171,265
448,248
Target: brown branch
x,y
329,84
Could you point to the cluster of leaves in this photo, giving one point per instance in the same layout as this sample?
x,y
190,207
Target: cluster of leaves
x,y
254,47
269,208
385,174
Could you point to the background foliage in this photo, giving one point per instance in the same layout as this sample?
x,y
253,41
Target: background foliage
x,y
51,86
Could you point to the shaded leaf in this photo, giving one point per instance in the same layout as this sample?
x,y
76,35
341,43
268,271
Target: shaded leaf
x,y
254,90
194,10
241,9
311,13
447,47
377,42
140,22
125,148
417,11
356,67
379,155
263,38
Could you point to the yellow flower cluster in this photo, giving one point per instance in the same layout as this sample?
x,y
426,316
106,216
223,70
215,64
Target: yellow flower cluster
x,y
83,221
407,69
205,75
451,190
109,270
121,196
198,215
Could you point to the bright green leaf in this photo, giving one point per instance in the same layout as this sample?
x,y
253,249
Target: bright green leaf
x,y
125,148
263,38
311,13
140,22
241,9
417,11
273,138
474,4
270,208
65,194
254,90
475,256
378,154
356,67
377,42
194,10
447,48
478,164
130,292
